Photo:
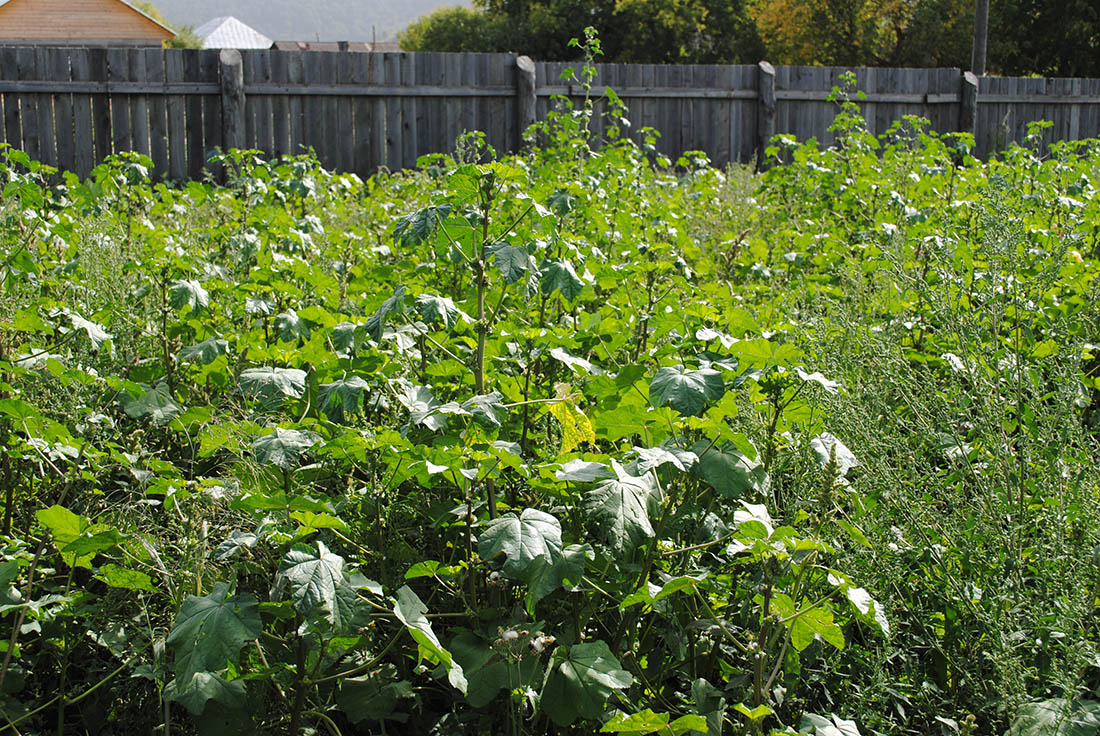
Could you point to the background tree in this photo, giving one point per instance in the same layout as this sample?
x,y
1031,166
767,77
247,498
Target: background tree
x,y
652,31
185,35
1046,37
453,29
1025,36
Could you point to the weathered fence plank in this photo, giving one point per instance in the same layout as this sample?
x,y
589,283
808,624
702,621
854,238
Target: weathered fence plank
x,y
158,113
233,99
359,111
83,124
9,71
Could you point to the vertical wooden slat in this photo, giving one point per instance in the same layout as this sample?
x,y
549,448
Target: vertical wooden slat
x,y
65,133
177,121
139,103
212,134
409,134
158,113
196,158
265,110
248,64
660,111
331,127
28,105
83,126
750,76
766,111
231,75
313,106
452,106
633,80
345,116
9,71
392,65
280,107
469,116
650,108
362,111
379,135
47,151
119,69
501,132
429,112
1074,122
296,75
101,105
425,130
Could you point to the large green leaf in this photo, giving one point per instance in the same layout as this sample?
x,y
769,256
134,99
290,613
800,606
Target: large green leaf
x,y
487,408
646,721
654,457
196,690
513,262
819,622
318,585
622,506
533,535
155,404
729,472
433,308
686,391
414,228
76,537
94,331
822,726
579,681
206,352
543,578
410,611
558,275
377,321
489,670
188,293
374,696
271,385
284,447
207,637
423,408
1057,717
341,398
291,327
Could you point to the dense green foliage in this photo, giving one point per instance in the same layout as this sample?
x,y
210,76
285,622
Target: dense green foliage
x,y
564,439
1025,36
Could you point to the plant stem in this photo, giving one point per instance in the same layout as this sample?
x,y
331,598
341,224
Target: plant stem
x,y
300,684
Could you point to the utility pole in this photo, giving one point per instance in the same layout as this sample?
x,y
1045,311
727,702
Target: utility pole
x,y
981,30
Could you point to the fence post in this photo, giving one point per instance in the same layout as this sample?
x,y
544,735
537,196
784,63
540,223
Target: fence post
x,y
765,112
232,83
968,106
525,96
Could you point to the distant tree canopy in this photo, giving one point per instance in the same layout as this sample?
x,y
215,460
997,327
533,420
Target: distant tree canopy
x,y
1049,37
657,31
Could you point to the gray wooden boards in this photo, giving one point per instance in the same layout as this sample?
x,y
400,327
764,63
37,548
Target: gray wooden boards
x,y
359,112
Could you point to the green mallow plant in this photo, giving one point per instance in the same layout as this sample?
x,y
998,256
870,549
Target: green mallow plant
x,y
572,441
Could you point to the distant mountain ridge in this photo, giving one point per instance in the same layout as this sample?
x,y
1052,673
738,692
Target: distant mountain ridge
x,y
308,20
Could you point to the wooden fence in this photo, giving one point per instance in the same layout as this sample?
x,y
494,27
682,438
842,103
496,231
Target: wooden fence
x,y
70,107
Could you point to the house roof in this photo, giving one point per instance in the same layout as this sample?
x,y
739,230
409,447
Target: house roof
x,y
142,12
169,32
227,32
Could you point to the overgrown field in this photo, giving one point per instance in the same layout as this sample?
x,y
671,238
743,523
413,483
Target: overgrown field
x,y
572,441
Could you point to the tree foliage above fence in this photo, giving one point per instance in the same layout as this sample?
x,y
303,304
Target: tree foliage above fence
x,y
1025,37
